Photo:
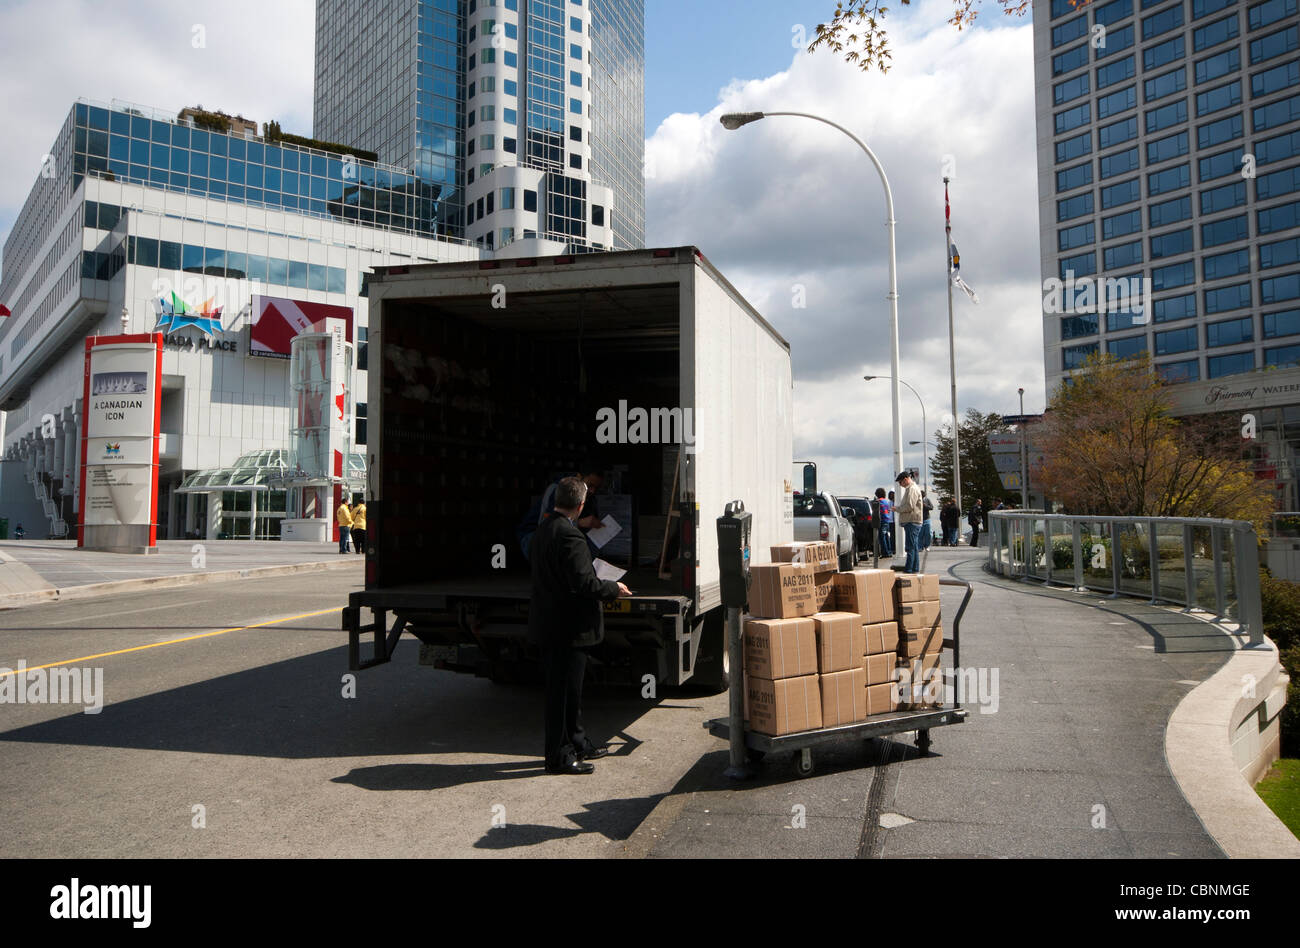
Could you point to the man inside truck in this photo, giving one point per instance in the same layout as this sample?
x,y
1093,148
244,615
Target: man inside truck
x,y
565,618
587,519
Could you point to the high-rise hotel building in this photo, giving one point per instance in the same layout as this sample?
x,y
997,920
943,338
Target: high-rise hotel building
x,y
525,117
1169,165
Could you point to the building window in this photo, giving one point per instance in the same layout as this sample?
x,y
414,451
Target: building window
x,y
1275,79
1153,57
1067,238
1166,115
1074,357
1172,244
1284,323
1127,347
1070,60
575,161
1280,289
1170,212
487,84
1227,298
1072,118
488,113
1116,195
1175,372
1072,207
1176,340
1281,253
1123,255
1212,34
1230,332
1224,163
1114,72
1230,364
1220,132
507,235
1116,41
1117,133
1275,44
1117,102
1170,179
1283,355
1069,178
530,200
1174,307
510,145
507,199
1223,197
1221,265
1130,222
1162,22
1168,84
1212,67
1074,327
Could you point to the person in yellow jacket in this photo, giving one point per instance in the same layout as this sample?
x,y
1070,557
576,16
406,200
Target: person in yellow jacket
x,y
359,527
343,517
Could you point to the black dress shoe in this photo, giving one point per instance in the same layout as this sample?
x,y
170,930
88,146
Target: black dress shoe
x,y
571,767
593,752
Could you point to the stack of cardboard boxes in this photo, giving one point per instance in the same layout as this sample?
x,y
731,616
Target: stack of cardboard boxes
x,y
920,640
823,649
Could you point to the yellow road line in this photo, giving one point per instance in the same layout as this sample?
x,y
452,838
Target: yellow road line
x,y
188,638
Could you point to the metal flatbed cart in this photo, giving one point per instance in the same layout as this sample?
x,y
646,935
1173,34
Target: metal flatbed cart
x,y
922,721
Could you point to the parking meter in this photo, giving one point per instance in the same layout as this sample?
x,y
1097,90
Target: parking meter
x,y
733,555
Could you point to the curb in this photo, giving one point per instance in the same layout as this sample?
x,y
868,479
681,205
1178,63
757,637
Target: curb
x,y
1198,751
93,590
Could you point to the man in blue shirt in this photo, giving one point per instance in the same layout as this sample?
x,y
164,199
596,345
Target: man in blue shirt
x,y
886,523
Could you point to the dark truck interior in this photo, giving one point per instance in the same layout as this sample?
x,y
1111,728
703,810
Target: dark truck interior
x,y
483,407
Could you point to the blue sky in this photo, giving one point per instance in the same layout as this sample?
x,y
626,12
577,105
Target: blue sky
x,y
694,48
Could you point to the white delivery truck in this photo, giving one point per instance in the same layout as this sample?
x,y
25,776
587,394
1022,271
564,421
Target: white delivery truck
x,y
489,379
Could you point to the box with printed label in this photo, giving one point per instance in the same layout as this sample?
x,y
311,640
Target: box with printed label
x,y
915,587
781,591
912,643
881,637
844,697
780,648
824,591
918,615
868,592
819,554
784,706
841,641
881,698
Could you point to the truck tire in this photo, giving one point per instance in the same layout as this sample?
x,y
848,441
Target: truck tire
x,y
713,664
845,562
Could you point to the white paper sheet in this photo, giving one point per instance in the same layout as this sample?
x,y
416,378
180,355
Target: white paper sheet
x,y
607,530
607,571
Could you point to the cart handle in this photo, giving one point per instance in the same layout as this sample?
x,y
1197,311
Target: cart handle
x,y
956,622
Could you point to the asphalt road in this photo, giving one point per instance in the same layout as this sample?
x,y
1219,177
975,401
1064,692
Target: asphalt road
x,y
226,731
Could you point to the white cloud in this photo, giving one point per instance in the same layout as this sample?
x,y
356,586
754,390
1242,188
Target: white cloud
x,y
255,58
789,201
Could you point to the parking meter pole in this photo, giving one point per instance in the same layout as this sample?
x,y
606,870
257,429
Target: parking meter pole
x,y
739,766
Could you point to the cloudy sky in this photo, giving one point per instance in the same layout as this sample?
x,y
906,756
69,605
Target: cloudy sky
x,y
785,208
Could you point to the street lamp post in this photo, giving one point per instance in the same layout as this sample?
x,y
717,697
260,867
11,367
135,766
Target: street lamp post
x,y
925,464
733,121
1024,457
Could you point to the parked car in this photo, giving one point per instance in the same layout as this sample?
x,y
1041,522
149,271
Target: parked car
x,y
861,520
817,516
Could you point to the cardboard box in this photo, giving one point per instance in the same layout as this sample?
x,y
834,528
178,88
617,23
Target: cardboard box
x,y
841,641
824,591
819,554
784,706
881,698
920,684
780,648
880,668
844,697
913,643
916,587
868,592
781,591
918,615
881,637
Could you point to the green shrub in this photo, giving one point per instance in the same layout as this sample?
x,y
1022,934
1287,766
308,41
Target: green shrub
x,y
1280,603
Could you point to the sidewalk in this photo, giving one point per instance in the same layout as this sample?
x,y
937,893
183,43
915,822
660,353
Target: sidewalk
x,y
1070,764
34,571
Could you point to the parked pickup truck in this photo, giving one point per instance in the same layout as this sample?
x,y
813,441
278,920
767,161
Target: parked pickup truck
x,y
817,516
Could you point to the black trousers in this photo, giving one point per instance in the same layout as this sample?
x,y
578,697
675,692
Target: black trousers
x,y
565,667
975,534
359,539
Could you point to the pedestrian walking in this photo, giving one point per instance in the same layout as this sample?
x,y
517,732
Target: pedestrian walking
x,y
565,618
359,526
343,517
975,519
927,508
909,509
950,521
886,506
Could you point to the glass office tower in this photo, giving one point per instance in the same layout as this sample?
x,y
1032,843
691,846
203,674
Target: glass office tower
x,y
1169,152
1169,163
525,116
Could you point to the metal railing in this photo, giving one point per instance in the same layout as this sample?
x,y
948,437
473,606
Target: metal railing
x,y
1201,564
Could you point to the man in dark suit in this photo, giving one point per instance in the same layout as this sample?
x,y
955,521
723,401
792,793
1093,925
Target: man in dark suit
x,y
565,618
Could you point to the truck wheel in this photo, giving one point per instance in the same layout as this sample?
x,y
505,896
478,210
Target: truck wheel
x,y
713,664
845,562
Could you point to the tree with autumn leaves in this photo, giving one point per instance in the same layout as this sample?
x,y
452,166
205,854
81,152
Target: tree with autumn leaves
x,y
1112,447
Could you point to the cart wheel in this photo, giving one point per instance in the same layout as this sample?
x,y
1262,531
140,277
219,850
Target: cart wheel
x,y
803,762
756,757
923,741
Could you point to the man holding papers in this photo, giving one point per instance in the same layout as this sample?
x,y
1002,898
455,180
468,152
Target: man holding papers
x,y
565,618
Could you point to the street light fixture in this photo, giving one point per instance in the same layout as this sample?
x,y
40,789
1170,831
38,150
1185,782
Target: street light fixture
x,y
733,121
925,461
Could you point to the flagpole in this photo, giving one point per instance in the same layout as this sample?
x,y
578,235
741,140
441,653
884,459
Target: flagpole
x,y
952,356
